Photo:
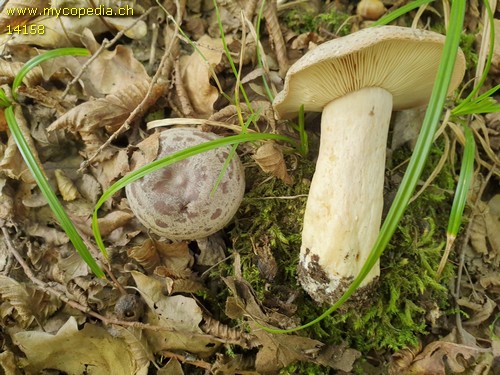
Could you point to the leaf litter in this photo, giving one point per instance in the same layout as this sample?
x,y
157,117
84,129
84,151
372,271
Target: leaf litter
x,y
165,311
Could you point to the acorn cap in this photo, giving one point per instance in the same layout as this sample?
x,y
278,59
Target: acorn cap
x,y
401,60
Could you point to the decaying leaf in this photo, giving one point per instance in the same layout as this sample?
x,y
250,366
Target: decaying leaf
x,y
68,190
109,112
8,20
196,72
137,344
9,70
270,159
173,367
485,231
8,363
180,314
77,352
146,255
29,303
112,71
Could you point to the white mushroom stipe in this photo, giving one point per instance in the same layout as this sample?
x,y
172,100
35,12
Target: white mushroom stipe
x,y
356,81
176,201
346,190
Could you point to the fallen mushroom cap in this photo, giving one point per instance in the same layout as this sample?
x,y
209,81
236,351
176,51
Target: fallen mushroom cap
x,y
400,60
356,82
176,201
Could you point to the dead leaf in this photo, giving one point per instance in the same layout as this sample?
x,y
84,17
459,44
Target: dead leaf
x,y
9,20
196,73
8,363
485,231
138,346
180,314
146,255
173,367
66,187
29,303
76,352
270,159
280,350
9,70
109,112
112,71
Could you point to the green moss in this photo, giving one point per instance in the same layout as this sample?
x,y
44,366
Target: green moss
x,y
394,316
303,22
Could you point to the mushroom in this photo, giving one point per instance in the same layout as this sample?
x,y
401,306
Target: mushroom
x,y
370,9
177,201
355,81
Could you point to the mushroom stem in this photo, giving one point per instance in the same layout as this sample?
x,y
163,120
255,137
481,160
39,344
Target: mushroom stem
x,y
344,207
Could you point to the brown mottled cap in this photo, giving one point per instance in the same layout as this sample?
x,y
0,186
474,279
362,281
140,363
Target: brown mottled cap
x,y
401,60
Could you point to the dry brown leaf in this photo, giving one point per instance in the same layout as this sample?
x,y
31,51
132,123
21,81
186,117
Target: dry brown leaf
x,y
270,159
9,70
9,20
109,112
109,170
29,303
66,187
76,352
146,255
280,350
179,313
8,363
50,235
173,367
495,62
137,344
485,231
196,74
432,359
112,71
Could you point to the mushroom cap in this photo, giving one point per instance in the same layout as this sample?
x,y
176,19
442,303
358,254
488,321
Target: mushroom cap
x,y
401,60
176,201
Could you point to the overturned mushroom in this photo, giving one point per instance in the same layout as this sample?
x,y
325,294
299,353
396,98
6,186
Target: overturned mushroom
x,y
177,201
356,82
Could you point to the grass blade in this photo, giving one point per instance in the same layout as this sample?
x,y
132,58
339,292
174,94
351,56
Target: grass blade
x,y
37,60
45,188
400,11
457,209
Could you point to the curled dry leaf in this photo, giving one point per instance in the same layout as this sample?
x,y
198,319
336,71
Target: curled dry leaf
x,y
485,231
196,72
9,70
181,315
66,187
74,352
146,255
112,71
29,303
137,344
433,358
270,159
109,112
